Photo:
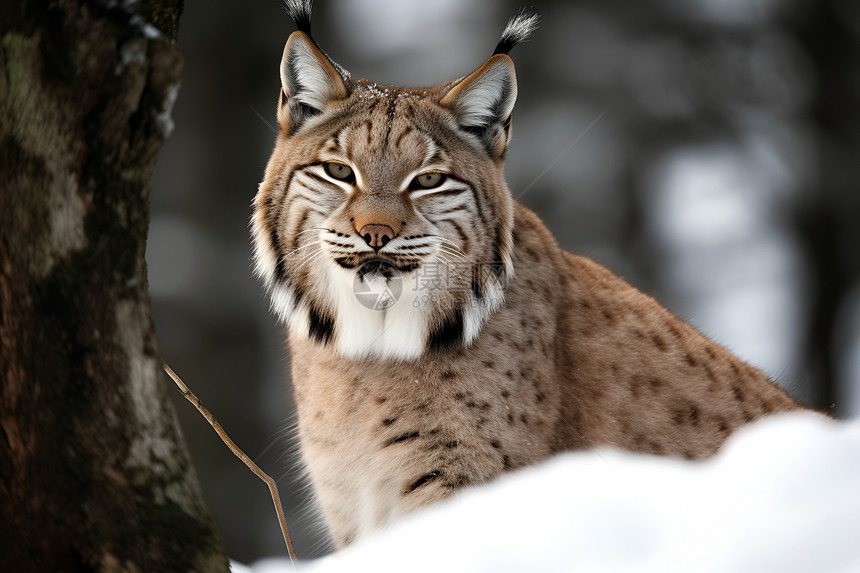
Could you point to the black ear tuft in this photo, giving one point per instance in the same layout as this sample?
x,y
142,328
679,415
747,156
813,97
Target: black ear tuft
x,y
300,12
519,28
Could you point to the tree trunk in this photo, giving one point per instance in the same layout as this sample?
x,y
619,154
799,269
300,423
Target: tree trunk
x,y
827,219
93,471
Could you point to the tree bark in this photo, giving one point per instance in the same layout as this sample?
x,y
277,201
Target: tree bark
x,y
94,474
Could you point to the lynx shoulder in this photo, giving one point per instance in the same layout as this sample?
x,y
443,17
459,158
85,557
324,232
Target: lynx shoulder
x,y
439,335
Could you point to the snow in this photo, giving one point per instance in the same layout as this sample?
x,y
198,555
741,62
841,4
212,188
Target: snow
x,y
782,495
132,52
163,117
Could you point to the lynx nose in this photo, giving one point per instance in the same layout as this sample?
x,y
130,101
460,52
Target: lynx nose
x,y
377,236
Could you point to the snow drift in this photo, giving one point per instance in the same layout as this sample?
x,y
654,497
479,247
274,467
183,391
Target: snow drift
x,y
782,495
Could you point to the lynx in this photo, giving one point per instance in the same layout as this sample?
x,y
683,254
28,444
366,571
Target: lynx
x,y
489,348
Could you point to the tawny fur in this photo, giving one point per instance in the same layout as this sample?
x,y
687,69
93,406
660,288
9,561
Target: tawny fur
x,y
576,359
559,354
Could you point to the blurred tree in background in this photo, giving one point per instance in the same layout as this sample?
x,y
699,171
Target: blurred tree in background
x,y
706,150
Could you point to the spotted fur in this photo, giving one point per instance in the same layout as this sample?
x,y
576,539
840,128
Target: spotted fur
x,y
519,351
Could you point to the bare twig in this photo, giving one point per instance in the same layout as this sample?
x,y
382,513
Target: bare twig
x,y
273,487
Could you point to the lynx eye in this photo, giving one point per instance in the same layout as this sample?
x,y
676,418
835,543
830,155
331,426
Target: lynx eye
x,y
339,171
428,180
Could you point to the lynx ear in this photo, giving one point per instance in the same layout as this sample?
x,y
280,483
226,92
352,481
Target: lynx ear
x,y
309,82
483,102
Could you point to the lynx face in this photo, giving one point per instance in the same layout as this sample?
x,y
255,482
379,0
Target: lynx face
x,y
371,185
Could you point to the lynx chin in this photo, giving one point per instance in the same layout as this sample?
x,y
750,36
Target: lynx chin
x,y
517,351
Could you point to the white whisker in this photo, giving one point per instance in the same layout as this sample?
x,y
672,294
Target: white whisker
x,y
308,258
449,242
303,247
311,230
415,254
448,263
449,251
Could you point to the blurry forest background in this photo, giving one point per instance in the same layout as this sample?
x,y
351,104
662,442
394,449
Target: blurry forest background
x,y
706,150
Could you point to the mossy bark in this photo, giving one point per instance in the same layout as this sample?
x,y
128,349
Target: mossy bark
x,y
93,471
